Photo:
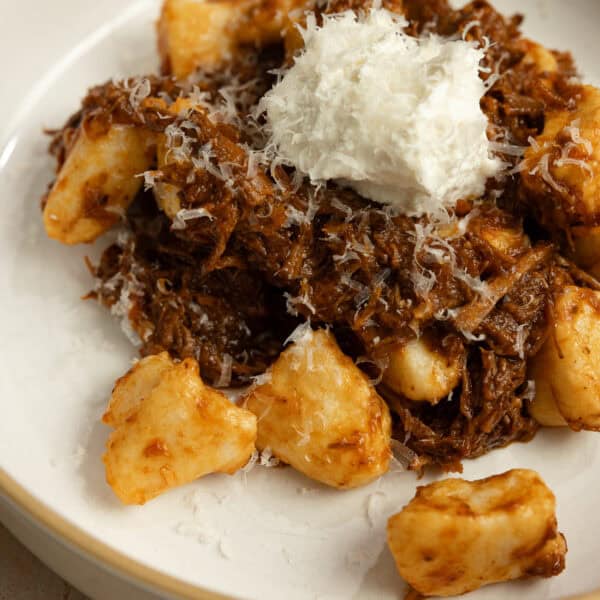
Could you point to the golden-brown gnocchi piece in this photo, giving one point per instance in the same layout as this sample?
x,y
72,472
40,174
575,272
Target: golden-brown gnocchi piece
x,y
543,407
195,33
179,431
267,21
97,182
455,536
318,413
586,248
203,33
134,387
567,363
505,240
421,372
538,55
561,170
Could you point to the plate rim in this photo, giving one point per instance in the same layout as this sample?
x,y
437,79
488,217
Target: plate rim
x,y
89,547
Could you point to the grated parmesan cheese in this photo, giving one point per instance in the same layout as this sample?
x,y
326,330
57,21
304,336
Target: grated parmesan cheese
x,y
520,340
575,133
395,117
188,214
225,375
428,241
141,90
267,459
529,393
124,304
251,462
544,169
374,508
150,179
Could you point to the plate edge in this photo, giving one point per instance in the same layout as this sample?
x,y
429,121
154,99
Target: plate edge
x,y
90,547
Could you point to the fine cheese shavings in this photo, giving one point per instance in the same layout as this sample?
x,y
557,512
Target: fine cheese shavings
x,y
343,208
428,131
520,340
381,364
549,158
576,163
534,144
297,217
141,90
470,25
577,141
199,99
293,301
303,333
547,176
262,379
508,149
150,179
301,340
402,456
529,393
267,459
179,143
188,214
123,306
374,508
251,462
575,133
303,436
225,375
430,243
470,337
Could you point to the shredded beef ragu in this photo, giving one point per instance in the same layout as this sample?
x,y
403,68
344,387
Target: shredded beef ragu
x,y
229,290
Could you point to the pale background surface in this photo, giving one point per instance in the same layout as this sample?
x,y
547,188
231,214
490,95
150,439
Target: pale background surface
x,y
24,577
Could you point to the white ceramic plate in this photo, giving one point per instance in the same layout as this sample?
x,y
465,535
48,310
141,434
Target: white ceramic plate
x,y
272,533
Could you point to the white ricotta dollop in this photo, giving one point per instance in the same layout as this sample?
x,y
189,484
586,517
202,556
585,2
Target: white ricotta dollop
x,y
395,117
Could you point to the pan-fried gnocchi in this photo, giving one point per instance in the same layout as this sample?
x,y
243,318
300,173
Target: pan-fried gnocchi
x,y
171,429
193,33
560,171
134,387
318,413
97,182
421,372
455,536
541,57
203,34
543,407
586,248
566,369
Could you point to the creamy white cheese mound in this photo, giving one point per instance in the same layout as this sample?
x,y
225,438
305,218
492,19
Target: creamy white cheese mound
x,y
395,117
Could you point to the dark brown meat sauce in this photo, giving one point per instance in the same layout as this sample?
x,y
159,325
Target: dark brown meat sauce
x,y
229,291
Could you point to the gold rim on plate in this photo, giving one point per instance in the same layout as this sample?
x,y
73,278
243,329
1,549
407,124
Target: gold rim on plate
x,y
100,552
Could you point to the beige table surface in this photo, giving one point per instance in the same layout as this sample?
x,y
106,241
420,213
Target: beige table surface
x,y
24,577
